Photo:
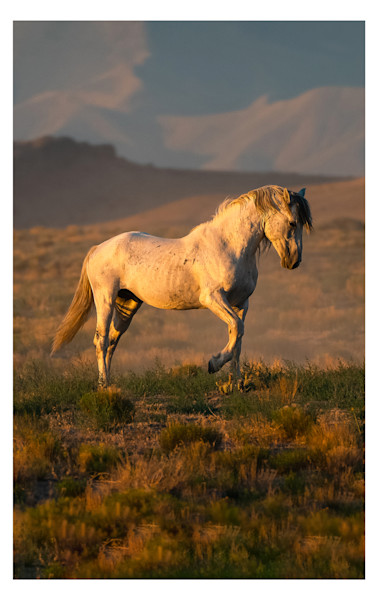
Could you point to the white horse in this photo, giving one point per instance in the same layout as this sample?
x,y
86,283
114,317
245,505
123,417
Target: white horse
x,y
213,267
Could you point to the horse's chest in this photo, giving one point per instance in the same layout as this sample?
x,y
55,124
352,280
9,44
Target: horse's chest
x,y
242,285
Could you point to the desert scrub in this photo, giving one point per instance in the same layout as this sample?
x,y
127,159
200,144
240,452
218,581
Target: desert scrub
x,y
236,474
293,421
294,484
36,452
342,387
292,460
40,389
275,491
106,409
258,375
70,487
181,434
97,460
184,388
151,534
263,397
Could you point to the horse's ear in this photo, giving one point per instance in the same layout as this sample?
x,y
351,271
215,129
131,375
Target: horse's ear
x,y
302,192
286,196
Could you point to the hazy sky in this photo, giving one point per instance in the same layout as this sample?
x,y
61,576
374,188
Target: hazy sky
x,y
194,67
210,67
115,82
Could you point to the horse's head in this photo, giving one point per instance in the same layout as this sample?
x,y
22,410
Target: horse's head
x,y
283,226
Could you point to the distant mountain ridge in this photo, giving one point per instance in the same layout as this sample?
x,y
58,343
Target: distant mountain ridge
x,y
320,132
58,182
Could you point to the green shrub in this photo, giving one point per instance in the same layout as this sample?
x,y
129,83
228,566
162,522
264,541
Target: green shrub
x,y
294,483
106,409
291,460
53,571
177,434
70,488
97,459
293,421
224,512
35,454
238,404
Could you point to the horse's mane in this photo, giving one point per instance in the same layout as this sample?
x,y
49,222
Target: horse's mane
x,y
304,212
270,198
267,199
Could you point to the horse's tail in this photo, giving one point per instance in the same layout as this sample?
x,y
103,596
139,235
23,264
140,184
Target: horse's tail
x,y
78,312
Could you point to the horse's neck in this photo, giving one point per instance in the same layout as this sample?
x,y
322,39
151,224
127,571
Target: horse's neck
x,y
240,229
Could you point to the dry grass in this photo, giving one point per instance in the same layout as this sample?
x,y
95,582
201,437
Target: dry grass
x,y
242,485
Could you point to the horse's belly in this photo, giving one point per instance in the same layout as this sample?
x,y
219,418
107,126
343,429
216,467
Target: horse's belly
x,y
172,297
175,298
169,286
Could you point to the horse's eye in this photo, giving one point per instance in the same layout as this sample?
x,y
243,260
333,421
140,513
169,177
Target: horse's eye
x,y
292,224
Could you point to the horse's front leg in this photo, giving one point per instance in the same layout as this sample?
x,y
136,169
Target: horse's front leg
x,y
235,365
216,301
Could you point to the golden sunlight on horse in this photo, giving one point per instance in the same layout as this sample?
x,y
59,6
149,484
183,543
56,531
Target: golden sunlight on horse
x,y
213,267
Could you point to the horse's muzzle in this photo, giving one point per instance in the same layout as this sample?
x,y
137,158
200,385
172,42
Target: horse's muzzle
x,y
287,264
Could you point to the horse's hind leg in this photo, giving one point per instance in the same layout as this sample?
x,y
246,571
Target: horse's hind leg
x,y
126,305
104,299
104,310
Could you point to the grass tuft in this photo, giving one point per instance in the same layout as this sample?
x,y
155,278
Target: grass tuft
x,y
70,487
96,460
181,434
106,409
293,422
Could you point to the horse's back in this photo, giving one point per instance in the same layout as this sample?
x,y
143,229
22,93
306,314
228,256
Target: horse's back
x,y
157,270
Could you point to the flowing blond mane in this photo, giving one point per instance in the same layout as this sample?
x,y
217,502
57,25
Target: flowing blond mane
x,y
267,199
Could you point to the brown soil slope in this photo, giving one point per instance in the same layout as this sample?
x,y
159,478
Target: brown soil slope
x,y
60,182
